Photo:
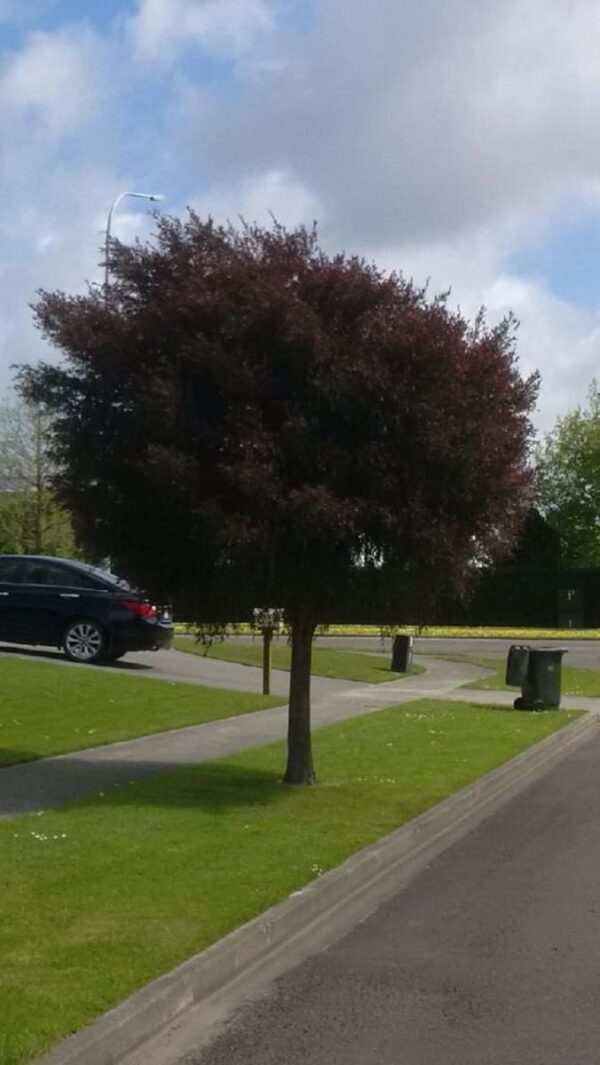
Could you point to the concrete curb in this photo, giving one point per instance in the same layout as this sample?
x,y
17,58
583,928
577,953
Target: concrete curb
x,y
312,918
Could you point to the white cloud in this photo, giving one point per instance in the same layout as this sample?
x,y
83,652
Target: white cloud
x,y
57,178
54,82
59,247
560,340
259,198
162,28
416,120
437,138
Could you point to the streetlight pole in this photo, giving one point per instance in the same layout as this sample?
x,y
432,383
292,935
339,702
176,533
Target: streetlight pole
x,y
136,195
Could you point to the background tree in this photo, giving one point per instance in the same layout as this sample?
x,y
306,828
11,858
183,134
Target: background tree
x,y
246,421
569,482
31,519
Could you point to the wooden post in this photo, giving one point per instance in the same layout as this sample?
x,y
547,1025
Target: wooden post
x,y
268,620
267,637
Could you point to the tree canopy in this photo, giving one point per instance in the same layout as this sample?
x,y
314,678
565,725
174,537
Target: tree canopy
x,y
243,418
569,481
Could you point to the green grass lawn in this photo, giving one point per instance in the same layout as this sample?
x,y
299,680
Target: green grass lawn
x,y
340,665
573,681
105,894
48,708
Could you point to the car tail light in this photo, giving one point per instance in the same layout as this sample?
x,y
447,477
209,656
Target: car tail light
x,y
143,610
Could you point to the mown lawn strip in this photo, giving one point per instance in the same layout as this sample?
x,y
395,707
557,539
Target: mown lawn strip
x,y
48,708
103,895
367,668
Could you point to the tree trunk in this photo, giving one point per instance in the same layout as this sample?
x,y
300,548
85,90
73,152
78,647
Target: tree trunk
x,y
299,765
267,637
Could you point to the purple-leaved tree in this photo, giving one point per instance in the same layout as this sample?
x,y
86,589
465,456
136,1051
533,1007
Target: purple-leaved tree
x,y
242,418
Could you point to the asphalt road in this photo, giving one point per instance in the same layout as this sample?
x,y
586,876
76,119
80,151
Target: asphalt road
x,y
195,669
584,654
490,957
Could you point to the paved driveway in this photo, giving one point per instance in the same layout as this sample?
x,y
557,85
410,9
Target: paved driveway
x,y
181,666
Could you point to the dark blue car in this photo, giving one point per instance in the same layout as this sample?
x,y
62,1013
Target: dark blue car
x,y
93,615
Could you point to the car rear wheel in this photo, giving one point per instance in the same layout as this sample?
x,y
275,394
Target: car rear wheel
x,y
84,641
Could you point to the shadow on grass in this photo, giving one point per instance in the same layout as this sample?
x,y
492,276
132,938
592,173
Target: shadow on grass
x,y
210,786
215,786
510,708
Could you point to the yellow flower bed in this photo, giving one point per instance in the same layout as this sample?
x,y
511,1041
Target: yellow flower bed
x,y
427,630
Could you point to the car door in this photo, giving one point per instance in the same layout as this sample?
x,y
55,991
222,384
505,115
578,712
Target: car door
x,y
11,576
48,594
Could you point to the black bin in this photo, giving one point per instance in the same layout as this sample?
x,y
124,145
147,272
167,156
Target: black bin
x,y
402,652
517,665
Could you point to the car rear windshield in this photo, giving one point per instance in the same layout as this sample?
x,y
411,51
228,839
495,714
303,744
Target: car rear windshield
x,y
111,578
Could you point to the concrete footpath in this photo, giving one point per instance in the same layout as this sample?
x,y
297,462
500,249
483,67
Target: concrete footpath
x,y
48,782
33,786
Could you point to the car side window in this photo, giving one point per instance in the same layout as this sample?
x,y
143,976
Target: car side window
x,y
49,575
12,571
89,582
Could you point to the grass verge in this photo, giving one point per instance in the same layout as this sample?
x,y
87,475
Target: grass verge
x,y
49,708
573,681
340,665
103,895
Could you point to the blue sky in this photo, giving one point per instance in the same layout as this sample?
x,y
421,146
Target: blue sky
x,y
566,260
457,143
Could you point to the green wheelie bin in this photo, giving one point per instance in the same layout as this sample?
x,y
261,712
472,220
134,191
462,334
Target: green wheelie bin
x,y
538,670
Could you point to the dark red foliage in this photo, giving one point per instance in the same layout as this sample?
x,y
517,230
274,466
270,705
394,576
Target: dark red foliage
x,y
244,418
242,401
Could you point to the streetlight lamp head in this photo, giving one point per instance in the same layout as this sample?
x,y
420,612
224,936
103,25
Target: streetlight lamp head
x,y
144,195
154,196
140,196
